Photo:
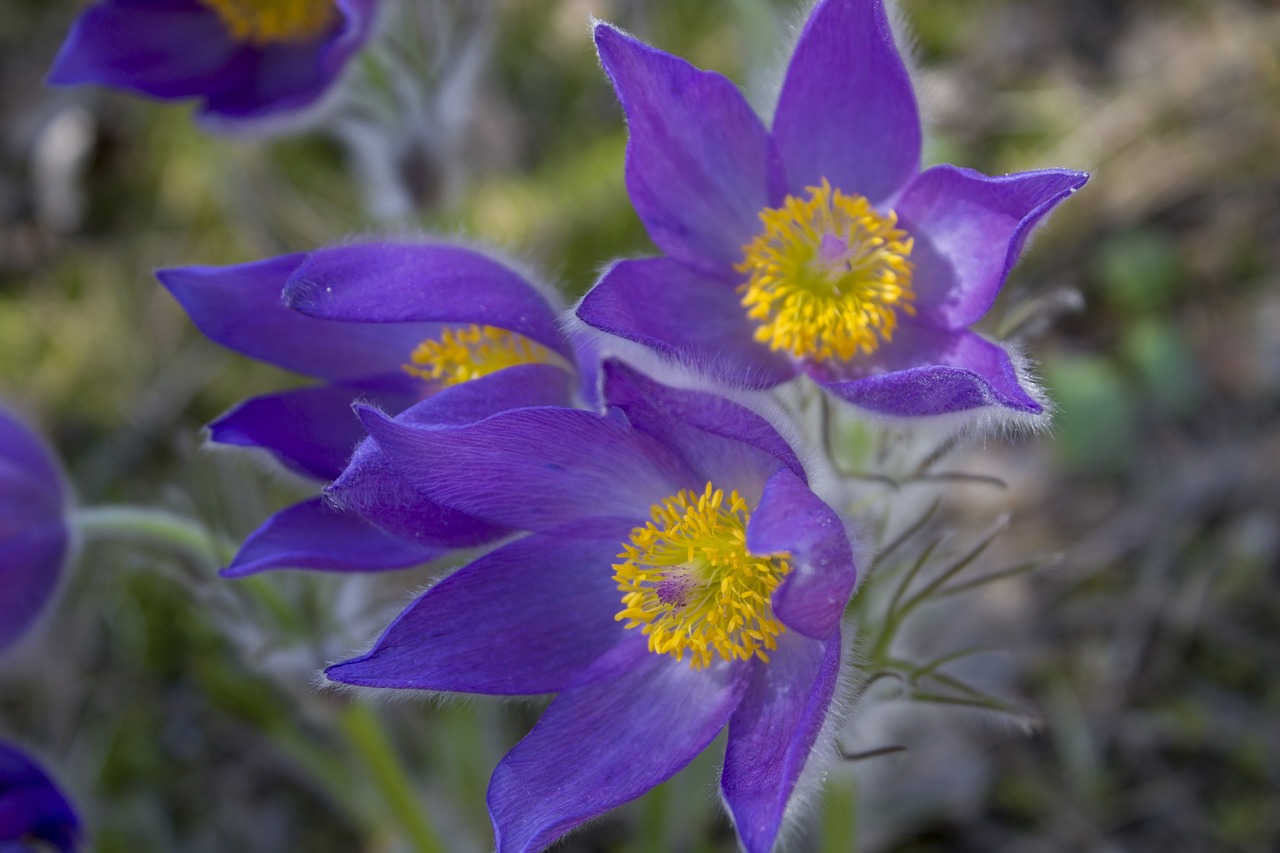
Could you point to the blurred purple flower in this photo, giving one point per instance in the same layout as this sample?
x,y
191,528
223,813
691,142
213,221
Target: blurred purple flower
x,y
817,247
442,331
34,544
32,809
677,575
34,540
247,59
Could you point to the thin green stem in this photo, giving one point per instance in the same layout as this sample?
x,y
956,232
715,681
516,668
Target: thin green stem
x,y
363,729
155,526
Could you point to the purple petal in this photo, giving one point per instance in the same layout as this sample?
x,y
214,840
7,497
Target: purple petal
x,y
928,371
700,164
315,535
636,720
166,49
290,76
241,308
518,387
372,487
31,490
33,530
847,112
310,430
421,282
686,316
969,230
791,518
524,619
725,443
534,469
32,807
772,734
31,563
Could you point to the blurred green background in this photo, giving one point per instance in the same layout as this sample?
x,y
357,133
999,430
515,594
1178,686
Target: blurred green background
x,y
181,710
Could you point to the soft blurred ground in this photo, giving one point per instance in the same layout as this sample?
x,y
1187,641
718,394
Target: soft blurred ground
x,y
180,708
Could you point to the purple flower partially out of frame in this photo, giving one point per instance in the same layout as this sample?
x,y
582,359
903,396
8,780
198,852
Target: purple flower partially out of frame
x,y
245,59
34,545
818,246
34,540
676,575
374,321
32,809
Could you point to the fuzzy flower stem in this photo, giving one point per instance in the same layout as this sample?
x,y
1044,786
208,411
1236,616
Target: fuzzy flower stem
x,y
362,728
155,526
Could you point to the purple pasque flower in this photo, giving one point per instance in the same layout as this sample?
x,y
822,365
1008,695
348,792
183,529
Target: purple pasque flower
x,y
676,575
443,331
34,539
32,809
246,59
816,247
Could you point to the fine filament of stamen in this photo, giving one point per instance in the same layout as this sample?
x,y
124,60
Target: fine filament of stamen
x,y
266,21
462,354
690,584
827,276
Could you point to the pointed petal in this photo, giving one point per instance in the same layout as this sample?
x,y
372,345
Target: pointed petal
x,y
372,487
421,282
927,372
315,535
636,720
241,307
32,807
170,49
847,111
791,518
310,430
534,469
700,165
969,230
522,620
725,443
773,732
689,317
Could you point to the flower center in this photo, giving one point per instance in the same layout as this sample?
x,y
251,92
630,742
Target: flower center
x,y
266,21
689,583
460,355
827,275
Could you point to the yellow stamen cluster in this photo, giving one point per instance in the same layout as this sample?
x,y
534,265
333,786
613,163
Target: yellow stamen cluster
x,y
827,275
689,582
460,355
267,21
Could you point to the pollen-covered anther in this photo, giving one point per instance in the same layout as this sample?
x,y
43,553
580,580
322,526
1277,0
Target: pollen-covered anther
x,y
267,21
827,275
462,354
689,583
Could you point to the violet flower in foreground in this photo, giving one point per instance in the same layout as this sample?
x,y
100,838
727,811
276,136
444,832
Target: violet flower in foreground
x,y
816,247
677,575
442,331
246,59
33,812
34,540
